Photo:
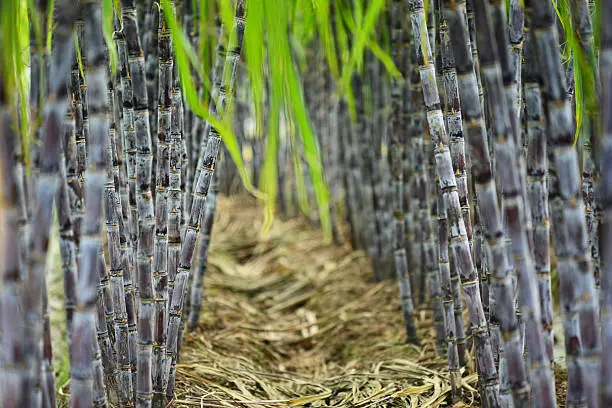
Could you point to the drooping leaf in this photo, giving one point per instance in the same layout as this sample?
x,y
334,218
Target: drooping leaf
x,y
108,11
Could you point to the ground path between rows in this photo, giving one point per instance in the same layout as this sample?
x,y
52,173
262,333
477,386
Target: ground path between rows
x,y
290,320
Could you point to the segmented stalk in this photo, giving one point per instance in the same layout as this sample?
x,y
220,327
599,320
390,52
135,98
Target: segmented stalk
x,y
197,289
66,202
150,47
448,302
75,159
480,251
15,373
397,145
160,254
104,331
144,205
537,186
113,212
176,203
574,264
451,105
128,143
605,69
590,134
86,385
83,125
202,185
43,195
418,193
448,184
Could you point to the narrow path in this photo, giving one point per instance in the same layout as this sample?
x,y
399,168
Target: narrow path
x,y
292,321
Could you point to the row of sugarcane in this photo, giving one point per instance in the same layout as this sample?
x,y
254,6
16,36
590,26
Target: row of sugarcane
x,y
127,245
465,173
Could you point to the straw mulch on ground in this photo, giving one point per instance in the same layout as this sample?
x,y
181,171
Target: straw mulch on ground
x,y
292,321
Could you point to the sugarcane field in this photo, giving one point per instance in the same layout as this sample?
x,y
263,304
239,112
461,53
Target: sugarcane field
x,y
306,203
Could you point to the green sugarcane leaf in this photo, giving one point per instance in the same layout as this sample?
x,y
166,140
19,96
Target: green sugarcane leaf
x,y
596,25
15,31
562,9
300,183
366,29
255,56
343,46
579,100
226,14
108,11
275,18
79,58
35,20
586,95
311,150
49,28
385,58
323,18
206,43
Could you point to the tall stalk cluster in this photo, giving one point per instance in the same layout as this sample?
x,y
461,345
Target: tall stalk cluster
x,y
92,160
443,133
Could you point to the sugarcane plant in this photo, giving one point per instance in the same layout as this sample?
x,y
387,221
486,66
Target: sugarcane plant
x,y
446,131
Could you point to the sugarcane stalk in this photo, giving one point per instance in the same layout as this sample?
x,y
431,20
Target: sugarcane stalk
x,y
448,184
150,47
567,211
176,187
75,164
605,237
479,248
202,185
451,105
117,254
397,143
48,370
418,194
65,202
590,132
448,302
87,386
537,171
176,204
197,289
14,368
104,313
217,78
160,254
128,143
144,205
511,51
83,125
